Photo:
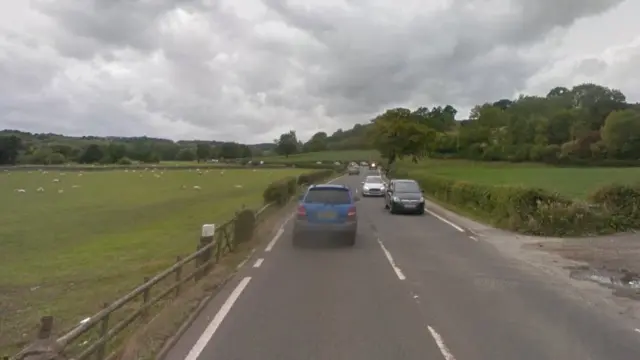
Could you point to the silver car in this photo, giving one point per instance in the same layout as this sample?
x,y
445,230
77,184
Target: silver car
x,y
373,186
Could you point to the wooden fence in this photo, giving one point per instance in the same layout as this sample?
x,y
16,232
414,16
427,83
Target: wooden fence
x,y
94,337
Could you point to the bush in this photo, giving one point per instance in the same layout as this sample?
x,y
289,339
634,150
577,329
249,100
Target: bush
x,y
282,190
245,223
315,176
124,161
538,211
622,201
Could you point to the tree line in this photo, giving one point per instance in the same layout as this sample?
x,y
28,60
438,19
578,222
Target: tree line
x,y
18,147
588,124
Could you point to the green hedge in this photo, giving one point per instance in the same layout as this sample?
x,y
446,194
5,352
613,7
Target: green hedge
x,y
281,191
535,211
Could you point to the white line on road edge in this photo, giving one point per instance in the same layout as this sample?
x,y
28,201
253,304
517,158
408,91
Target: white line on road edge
x,y
393,263
636,330
445,220
273,241
473,238
443,347
245,259
217,320
258,263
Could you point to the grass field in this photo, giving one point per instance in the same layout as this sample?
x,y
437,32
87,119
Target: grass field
x,y
344,155
93,236
572,182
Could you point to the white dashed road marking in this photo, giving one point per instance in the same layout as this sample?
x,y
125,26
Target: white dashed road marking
x,y
473,238
273,241
445,221
443,347
636,330
217,320
258,263
395,267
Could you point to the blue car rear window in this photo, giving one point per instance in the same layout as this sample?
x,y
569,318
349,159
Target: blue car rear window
x,y
334,196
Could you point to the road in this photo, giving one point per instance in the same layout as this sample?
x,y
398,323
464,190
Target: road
x,y
413,287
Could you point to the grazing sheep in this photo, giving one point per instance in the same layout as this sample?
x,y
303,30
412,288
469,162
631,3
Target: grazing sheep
x,y
60,191
56,180
21,190
156,175
239,186
80,174
222,172
197,187
40,189
75,186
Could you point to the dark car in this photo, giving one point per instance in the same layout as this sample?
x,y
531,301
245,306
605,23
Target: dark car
x,y
326,209
404,196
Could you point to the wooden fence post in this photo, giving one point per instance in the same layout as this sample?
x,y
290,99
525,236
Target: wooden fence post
x,y
45,346
206,239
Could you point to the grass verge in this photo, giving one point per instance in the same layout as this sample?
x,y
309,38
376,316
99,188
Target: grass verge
x,y
91,237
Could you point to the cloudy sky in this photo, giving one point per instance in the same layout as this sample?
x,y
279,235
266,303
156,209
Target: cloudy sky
x,y
248,70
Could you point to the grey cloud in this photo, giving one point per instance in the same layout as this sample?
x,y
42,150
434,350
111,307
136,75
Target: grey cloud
x,y
115,67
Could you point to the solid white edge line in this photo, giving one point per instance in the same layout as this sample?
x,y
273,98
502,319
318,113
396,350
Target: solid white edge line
x,y
445,220
273,241
217,320
473,238
441,345
395,267
258,263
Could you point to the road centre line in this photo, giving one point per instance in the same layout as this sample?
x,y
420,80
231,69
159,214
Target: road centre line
x,y
206,336
395,267
445,220
258,263
441,345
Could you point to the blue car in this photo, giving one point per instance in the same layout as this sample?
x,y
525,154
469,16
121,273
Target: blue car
x,y
326,209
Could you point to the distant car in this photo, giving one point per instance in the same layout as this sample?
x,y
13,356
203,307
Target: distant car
x,y
354,170
373,166
404,196
373,186
328,209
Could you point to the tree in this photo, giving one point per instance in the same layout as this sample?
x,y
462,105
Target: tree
x,y
621,134
9,148
203,152
186,154
318,142
398,134
287,144
92,154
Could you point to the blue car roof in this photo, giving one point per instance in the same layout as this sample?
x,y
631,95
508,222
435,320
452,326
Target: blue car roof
x,y
328,186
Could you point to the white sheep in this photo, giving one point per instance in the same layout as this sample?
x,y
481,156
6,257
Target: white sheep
x,y
222,172
239,186
75,186
156,175
60,191
56,180
80,174
21,190
40,189
197,187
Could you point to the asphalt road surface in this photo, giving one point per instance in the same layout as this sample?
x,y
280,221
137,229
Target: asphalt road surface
x,y
413,287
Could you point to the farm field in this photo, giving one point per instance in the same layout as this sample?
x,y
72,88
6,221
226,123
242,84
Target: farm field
x,y
89,237
343,155
571,182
